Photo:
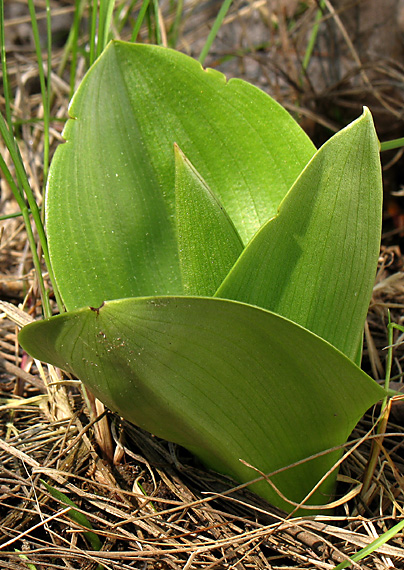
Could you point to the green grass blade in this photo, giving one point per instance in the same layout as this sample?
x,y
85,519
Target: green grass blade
x,y
174,31
31,240
18,192
313,36
45,85
76,516
6,88
10,216
71,45
47,99
15,156
139,20
105,14
93,30
157,22
122,15
215,29
385,537
100,23
391,145
25,559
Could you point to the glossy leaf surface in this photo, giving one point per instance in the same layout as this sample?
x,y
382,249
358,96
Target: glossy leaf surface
x,y
110,198
315,263
208,243
226,380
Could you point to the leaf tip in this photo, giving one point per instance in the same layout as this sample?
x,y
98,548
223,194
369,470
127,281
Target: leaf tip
x,y
366,115
178,152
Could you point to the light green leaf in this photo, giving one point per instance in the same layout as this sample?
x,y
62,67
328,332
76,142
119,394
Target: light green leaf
x,y
316,261
111,187
208,243
226,380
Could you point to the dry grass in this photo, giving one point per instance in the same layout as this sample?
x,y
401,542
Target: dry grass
x,y
147,500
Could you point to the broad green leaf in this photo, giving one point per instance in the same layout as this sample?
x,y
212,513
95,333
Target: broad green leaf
x,y
208,243
226,380
315,262
110,198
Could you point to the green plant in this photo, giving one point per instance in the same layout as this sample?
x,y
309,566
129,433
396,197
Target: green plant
x,y
76,516
216,269
385,537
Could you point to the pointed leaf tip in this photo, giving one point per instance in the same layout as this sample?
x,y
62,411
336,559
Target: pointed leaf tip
x,y
315,263
208,243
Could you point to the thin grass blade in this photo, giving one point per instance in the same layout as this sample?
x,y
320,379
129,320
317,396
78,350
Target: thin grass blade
x,y
6,88
105,14
76,516
215,29
139,20
385,537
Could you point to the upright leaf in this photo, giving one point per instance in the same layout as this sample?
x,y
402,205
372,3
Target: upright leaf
x,y
315,262
226,380
208,243
110,200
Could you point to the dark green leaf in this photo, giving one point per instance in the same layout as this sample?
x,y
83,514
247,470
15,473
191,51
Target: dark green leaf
x,y
226,380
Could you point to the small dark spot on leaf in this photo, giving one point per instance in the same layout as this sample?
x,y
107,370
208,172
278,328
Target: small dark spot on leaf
x,y
97,309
